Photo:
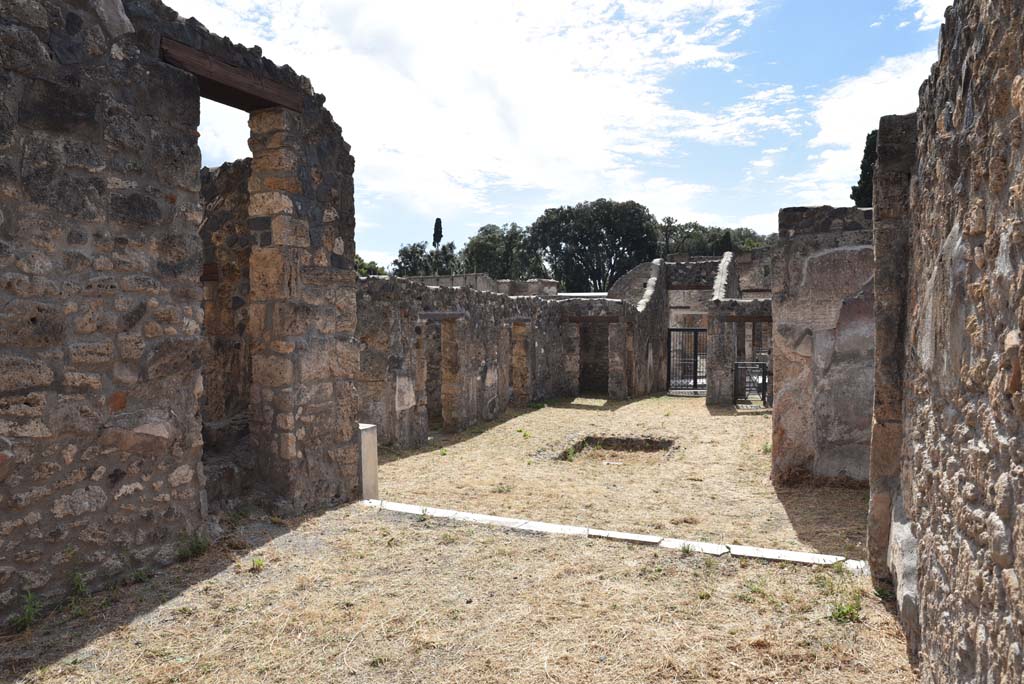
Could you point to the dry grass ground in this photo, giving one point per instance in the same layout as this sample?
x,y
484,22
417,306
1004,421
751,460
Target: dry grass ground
x,y
713,487
355,595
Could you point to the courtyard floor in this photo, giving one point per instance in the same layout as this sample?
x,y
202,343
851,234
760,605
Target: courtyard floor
x,y
360,595
712,486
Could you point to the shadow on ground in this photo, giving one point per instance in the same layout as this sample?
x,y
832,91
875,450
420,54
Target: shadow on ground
x,y
831,520
74,623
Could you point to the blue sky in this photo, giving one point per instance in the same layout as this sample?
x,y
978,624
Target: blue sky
x,y
488,111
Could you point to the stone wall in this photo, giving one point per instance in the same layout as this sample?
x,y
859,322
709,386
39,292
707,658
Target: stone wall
x,y
476,352
485,283
962,443
227,360
102,309
453,356
823,344
892,548
104,245
754,269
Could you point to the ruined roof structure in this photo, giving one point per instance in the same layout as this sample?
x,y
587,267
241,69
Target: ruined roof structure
x,y
178,344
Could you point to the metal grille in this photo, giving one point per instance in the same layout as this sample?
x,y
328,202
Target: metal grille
x,y
687,359
752,382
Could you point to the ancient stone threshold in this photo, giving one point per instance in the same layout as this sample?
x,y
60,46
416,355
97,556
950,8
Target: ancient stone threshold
x,y
522,525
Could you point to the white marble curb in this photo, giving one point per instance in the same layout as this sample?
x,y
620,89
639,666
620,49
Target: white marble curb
x,y
739,551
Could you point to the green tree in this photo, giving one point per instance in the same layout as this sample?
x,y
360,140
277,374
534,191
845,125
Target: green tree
x,y
444,260
669,229
699,240
416,260
502,252
368,268
593,244
413,260
862,193
438,233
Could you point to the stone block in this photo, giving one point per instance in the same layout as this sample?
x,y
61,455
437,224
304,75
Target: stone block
x,y
273,273
19,373
270,204
271,370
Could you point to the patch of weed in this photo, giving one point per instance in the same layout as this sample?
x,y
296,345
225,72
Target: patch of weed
x,y
28,614
257,566
192,546
846,611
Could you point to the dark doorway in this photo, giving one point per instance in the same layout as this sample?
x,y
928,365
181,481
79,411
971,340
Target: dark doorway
x,y
594,358
687,359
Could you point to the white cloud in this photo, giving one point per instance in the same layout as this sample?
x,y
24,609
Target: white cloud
x,y
764,224
845,114
449,104
929,13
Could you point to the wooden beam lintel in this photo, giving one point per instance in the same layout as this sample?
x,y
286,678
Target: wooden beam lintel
x,y
227,84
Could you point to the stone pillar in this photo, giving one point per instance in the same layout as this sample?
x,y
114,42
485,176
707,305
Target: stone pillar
x,y
301,320
571,342
892,548
451,393
522,381
897,140
631,390
617,383
721,360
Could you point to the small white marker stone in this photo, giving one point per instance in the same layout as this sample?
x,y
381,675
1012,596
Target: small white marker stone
x,y
552,528
625,536
782,555
695,546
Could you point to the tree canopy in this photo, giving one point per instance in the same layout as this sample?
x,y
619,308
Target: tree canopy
x,y
587,247
416,260
502,252
368,268
699,240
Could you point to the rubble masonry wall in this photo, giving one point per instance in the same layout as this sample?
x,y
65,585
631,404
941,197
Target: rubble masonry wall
x,y
962,450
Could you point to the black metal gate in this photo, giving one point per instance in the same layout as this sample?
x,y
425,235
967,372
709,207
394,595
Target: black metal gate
x,y
751,382
687,359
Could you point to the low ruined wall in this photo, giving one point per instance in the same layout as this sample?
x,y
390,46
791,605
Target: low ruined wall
x,y
823,344
962,451
754,269
485,283
496,351
451,357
